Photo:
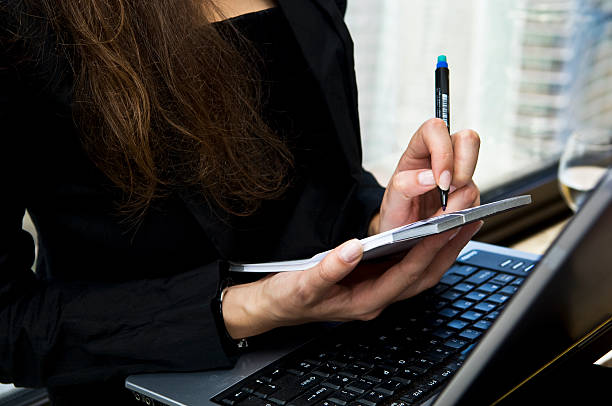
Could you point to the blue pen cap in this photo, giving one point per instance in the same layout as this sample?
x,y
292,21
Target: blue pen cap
x,y
442,62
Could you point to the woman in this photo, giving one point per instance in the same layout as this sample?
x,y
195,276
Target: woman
x,y
152,142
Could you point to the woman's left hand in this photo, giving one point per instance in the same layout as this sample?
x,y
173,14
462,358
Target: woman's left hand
x,y
431,159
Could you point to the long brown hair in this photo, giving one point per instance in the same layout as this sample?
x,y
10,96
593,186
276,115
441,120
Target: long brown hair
x,y
164,100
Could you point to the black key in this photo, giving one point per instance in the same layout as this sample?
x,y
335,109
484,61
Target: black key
x,y
470,334
489,287
430,383
450,279
251,386
348,374
372,398
492,315
336,381
471,315
482,325
444,374
437,322
359,386
498,298
255,401
440,304
288,388
414,395
451,295
379,374
389,387
480,277
464,287
448,312
443,333
455,343
476,296
360,368
485,307
235,397
399,403
311,397
301,368
463,270
462,304
329,368
437,355
453,366
272,375
517,281
502,279
420,366
407,374
509,290
439,288
457,324
326,403
322,372
341,397
309,381
264,390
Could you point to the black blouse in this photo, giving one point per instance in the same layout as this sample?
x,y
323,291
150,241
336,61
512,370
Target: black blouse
x,y
107,301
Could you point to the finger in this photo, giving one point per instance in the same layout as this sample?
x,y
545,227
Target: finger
x,y
442,261
466,145
334,267
408,271
467,196
431,146
402,187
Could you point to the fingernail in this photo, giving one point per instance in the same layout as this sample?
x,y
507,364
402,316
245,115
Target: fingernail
x,y
445,180
426,178
351,251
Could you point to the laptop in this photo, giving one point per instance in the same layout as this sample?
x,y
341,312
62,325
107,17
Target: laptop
x,y
498,320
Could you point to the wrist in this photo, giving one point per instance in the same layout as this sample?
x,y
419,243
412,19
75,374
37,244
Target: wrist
x,y
244,312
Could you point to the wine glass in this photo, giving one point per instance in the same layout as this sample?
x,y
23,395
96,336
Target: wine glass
x,y
586,156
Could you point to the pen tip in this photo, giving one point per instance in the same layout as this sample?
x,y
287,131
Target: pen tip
x,y
443,208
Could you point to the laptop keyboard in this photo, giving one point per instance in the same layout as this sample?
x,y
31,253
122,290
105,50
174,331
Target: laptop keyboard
x,y
401,358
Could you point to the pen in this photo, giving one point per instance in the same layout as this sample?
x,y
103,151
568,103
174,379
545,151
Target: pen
x,y
442,107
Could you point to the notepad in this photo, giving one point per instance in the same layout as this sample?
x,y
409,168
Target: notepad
x,y
398,239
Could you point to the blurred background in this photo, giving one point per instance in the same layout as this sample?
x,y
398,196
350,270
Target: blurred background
x,y
523,74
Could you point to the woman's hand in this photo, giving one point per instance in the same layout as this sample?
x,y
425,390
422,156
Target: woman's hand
x,y
431,158
338,288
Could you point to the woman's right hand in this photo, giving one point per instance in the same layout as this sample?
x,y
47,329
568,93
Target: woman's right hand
x,y
341,289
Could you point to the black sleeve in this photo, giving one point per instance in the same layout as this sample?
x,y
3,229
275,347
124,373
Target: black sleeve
x,y
60,333
368,199
342,6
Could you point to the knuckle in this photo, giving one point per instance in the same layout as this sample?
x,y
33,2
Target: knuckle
x,y
473,193
324,271
396,183
433,124
468,136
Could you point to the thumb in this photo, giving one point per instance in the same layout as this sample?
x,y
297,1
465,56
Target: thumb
x,y
336,265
